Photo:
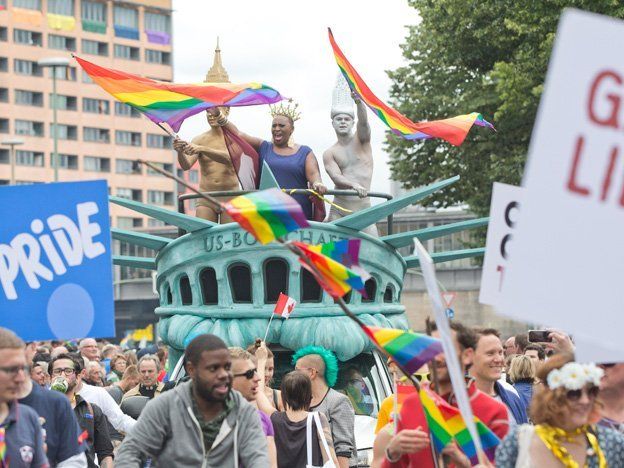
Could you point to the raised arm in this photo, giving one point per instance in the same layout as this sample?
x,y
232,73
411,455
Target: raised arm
x,y
223,122
363,130
263,402
340,181
313,174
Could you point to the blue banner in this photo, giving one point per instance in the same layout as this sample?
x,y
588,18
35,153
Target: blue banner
x,y
56,273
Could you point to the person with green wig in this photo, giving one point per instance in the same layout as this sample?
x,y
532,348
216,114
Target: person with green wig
x,y
321,366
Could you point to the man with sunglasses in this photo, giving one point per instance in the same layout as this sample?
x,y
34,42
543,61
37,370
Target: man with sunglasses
x,y
19,425
245,380
612,396
92,422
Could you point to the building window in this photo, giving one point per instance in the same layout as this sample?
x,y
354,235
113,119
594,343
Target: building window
x,y
63,102
28,4
310,289
93,11
3,34
126,17
28,128
127,138
370,286
65,161
130,194
276,272
160,197
193,176
388,294
64,132
4,95
97,135
151,222
64,73
28,98
165,166
127,52
96,164
157,22
4,64
25,37
5,157
94,47
27,67
61,7
126,166
128,222
29,158
124,110
95,106
209,286
157,56
61,42
239,276
4,126
158,141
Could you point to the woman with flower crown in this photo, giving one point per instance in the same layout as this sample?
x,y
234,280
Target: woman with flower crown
x,y
294,166
564,411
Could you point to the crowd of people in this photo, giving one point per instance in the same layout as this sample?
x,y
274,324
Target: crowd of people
x,y
91,403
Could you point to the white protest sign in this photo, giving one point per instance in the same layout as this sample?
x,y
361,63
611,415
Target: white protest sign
x,y
504,208
566,268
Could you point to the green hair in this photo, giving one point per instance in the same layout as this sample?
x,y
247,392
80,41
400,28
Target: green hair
x,y
331,363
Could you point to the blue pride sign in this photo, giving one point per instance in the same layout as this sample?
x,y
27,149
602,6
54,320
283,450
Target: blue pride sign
x,y
56,279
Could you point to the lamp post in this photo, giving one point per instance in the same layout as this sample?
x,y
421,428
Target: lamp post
x,y
54,63
12,143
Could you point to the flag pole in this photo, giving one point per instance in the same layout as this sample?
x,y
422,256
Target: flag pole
x,y
171,134
268,326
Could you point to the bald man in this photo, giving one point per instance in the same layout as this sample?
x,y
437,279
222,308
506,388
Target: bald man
x,y
89,349
321,366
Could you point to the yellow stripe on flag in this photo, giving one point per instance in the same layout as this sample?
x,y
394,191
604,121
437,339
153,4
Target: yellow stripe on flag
x,y
249,211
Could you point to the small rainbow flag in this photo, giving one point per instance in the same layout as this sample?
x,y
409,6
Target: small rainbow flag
x,y
453,130
3,449
335,278
411,350
172,103
267,214
446,423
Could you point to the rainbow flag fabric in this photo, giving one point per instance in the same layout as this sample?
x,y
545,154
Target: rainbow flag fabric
x,y
454,130
267,214
172,103
446,423
3,461
335,278
411,350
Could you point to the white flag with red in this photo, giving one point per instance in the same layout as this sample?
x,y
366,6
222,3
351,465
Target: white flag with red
x,y
285,305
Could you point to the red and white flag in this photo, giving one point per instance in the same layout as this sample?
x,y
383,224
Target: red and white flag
x,y
285,305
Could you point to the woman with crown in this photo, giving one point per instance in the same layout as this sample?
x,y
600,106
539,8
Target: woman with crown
x,y
564,411
294,166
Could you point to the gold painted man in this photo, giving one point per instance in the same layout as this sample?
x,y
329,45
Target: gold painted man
x,y
216,170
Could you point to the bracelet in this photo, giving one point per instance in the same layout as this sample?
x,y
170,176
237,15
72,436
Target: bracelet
x,y
389,458
222,120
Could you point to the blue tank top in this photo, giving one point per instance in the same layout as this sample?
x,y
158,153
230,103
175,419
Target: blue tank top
x,y
289,171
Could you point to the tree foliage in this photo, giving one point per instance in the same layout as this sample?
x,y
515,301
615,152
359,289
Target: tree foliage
x,y
489,57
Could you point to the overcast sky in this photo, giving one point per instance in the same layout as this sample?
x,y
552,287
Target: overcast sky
x,y
285,45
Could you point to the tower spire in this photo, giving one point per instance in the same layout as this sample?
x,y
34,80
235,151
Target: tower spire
x,y
217,73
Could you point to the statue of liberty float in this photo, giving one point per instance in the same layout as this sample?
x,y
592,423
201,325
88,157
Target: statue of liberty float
x,y
225,279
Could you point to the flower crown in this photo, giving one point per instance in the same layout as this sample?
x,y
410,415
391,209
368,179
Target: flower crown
x,y
289,110
574,376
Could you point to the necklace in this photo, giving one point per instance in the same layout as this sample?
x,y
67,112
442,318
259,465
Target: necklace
x,y
552,437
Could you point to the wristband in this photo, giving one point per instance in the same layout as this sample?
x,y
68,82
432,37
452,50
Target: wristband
x,y
389,458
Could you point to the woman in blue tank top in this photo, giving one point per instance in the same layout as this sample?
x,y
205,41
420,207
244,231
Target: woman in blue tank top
x,y
294,166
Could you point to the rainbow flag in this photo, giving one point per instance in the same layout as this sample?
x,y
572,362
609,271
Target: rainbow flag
x,y
411,350
267,214
172,103
446,423
347,252
453,130
335,278
3,460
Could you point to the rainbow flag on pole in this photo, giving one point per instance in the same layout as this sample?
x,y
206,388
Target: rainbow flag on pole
x,y
172,103
446,423
335,278
453,130
411,350
267,214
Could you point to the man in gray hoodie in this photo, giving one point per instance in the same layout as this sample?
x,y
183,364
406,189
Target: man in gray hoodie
x,y
202,422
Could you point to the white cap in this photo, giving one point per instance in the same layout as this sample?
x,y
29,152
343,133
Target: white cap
x,y
342,102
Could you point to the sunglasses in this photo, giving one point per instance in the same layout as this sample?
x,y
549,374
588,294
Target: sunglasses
x,y
248,375
422,377
575,395
607,365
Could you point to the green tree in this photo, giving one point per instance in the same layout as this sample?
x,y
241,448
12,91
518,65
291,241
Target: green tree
x,y
469,56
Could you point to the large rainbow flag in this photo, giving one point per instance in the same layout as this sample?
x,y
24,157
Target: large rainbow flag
x,y
267,214
453,130
333,276
172,103
411,350
446,423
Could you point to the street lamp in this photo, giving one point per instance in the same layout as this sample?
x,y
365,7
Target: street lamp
x,y
12,143
54,63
